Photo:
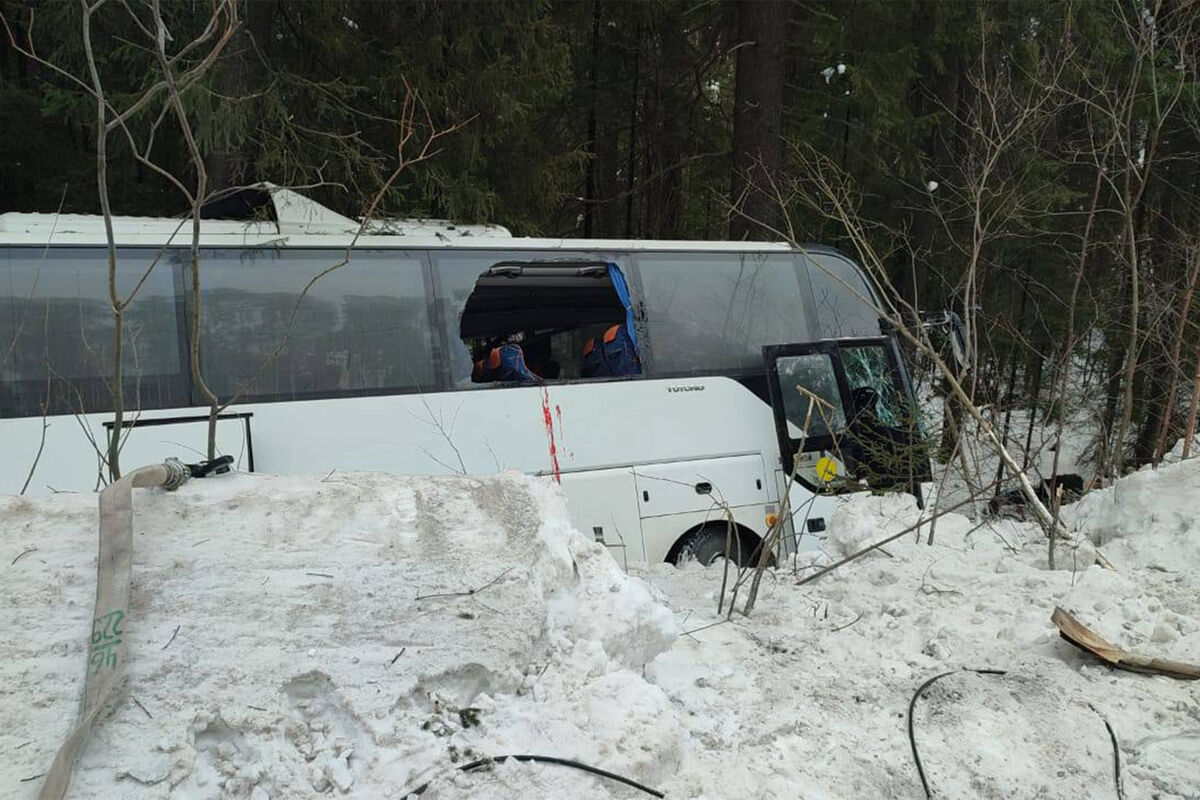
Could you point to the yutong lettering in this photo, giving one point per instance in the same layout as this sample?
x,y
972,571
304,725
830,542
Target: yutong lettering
x,y
688,388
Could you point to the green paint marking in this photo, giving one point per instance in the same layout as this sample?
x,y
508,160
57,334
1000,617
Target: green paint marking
x,y
106,636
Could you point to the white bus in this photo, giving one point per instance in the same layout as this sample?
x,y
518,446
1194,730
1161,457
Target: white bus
x,y
394,364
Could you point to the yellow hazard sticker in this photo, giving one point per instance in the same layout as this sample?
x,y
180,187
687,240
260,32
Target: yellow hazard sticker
x,y
826,468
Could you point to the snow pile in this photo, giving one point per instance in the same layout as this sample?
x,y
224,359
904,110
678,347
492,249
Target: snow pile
x,y
355,635
809,696
854,526
1149,524
362,634
1149,518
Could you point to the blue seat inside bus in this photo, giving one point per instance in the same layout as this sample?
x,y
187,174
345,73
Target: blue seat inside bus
x,y
503,363
612,355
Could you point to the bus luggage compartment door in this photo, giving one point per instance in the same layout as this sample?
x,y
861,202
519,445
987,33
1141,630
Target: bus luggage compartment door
x,y
603,505
701,485
676,497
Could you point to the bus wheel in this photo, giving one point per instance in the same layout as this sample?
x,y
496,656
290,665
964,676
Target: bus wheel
x,y
707,545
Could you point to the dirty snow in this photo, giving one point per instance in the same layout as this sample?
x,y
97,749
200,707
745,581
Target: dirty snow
x,y
304,664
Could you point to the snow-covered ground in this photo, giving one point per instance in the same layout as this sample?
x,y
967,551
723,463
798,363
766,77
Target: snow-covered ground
x,y
284,644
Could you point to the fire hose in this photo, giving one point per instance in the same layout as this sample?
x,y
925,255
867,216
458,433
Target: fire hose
x,y
107,655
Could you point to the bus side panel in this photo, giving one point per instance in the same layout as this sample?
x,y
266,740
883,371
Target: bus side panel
x,y
810,516
565,429
701,485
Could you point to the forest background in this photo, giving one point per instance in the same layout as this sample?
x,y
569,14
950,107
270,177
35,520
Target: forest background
x,y
1031,165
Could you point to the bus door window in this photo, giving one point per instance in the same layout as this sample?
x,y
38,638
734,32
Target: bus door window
x,y
810,412
812,372
886,434
869,431
867,366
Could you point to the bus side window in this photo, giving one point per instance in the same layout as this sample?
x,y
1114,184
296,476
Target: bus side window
x,y
841,297
713,312
56,332
455,275
362,327
560,355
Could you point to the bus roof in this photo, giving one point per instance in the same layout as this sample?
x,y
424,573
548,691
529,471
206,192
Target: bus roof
x,y
298,221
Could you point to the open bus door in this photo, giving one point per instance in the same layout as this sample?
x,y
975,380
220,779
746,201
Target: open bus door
x,y
846,416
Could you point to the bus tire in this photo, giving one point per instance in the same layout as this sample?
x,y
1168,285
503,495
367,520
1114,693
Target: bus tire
x,y
707,544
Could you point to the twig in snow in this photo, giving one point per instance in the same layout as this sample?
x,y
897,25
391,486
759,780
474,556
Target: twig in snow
x,y
256,708
397,656
32,777
468,592
327,477
202,541
705,627
319,574
893,537
533,686
848,624
21,555
173,635
138,703
987,524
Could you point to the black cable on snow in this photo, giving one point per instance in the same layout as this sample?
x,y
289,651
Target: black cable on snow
x,y
562,762
1116,752
913,739
917,757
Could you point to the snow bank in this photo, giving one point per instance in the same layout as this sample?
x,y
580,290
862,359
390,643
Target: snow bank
x,y
292,637
1148,523
809,696
1150,518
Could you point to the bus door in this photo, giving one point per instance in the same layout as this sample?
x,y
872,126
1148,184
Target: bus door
x,y
846,416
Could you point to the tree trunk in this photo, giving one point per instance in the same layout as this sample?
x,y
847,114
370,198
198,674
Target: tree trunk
x,y
757,119
239,73
1160,442
1190,430
589,184
631,145
667,100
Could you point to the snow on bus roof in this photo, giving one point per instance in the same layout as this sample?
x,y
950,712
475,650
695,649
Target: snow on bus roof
x,y
292,213
300,221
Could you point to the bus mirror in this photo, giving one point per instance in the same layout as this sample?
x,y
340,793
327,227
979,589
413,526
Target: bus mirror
x,y
960,341
951,325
